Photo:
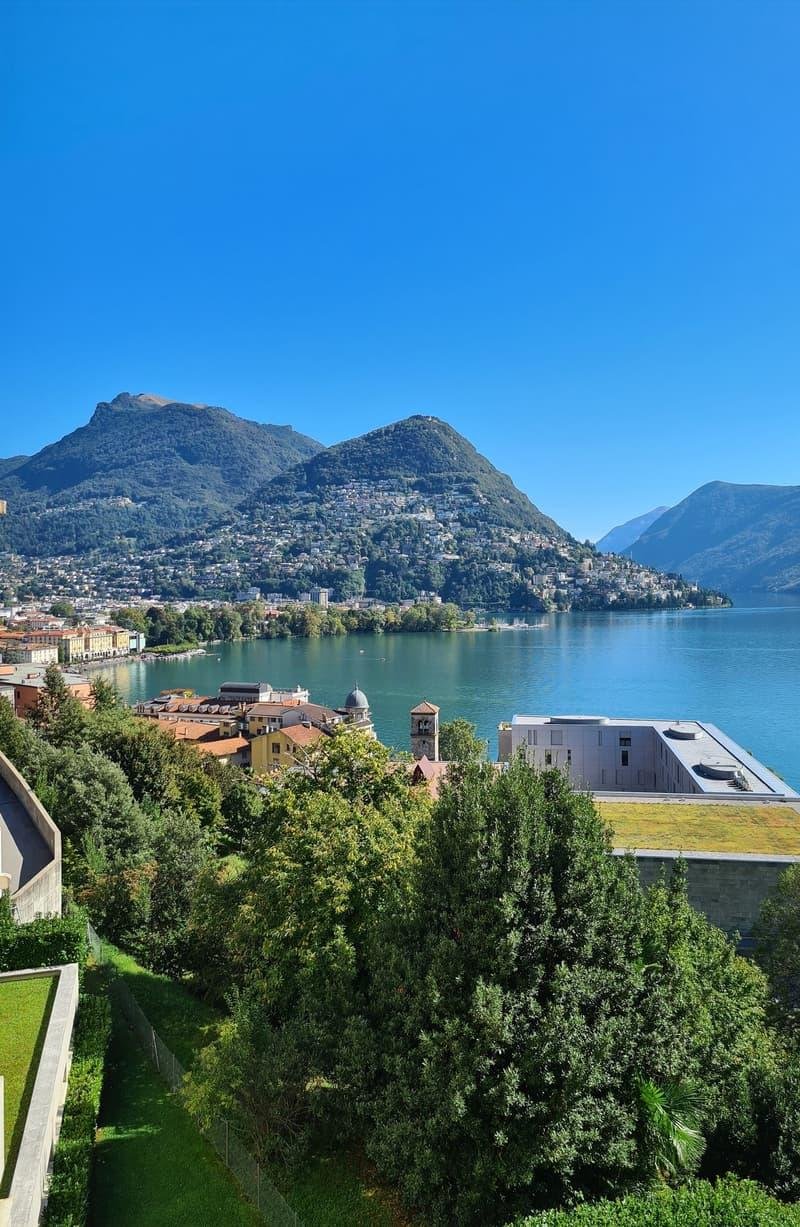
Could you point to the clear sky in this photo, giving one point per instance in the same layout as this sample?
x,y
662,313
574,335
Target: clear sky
x,y
572,230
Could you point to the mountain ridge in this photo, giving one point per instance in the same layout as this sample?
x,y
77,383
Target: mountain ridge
x,y
619,538
735,535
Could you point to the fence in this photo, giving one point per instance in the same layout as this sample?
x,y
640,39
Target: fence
x,y
255,1184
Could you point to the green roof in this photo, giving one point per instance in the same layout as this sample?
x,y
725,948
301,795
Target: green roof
x,y
697,826
24,1013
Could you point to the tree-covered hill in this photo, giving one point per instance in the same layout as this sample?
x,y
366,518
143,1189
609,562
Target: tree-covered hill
x,y
418,454
734,536
140,470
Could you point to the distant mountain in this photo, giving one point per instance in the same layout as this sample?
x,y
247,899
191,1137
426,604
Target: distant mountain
x,y
732,536
420,456
143,468
618,539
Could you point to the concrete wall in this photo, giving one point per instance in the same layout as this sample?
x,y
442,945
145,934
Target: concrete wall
x,y
24,1203
727,888
41,896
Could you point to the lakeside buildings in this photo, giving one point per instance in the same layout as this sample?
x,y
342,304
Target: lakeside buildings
x,y
687,757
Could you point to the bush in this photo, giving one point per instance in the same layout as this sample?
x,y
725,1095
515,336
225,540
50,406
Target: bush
x,y
42,943
68,1204
729,1203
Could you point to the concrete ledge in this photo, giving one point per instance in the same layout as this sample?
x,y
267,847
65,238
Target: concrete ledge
x,y
49,1090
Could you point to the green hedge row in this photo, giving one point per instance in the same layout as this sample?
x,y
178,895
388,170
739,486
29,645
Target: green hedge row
x,y
728,1203
68,1203
42,943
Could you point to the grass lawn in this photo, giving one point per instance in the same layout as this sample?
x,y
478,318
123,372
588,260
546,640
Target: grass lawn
x,y
152,1167
698,827
335,1191
24,1012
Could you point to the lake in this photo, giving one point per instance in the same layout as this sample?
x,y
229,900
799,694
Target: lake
x,y
738,668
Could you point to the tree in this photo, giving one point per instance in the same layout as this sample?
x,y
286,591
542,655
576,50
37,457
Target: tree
x,y
58,715
777,937
459,742
105,696
62,609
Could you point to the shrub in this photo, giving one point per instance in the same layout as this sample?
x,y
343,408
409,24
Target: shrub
x,y
728,1203
48,942
68,1203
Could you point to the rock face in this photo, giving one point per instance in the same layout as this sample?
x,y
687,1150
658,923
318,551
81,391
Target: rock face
x,y
142,468
618,540
744,538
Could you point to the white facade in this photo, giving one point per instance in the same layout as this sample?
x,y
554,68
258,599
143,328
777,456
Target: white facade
x,y
641,756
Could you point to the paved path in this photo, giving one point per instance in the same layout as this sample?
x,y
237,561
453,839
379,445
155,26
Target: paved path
x,y
23,852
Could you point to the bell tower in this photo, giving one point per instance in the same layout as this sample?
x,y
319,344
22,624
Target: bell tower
x,y
425,731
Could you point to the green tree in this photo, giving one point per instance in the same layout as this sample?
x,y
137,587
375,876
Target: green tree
x,y
777,937
459,742
105,696
58,715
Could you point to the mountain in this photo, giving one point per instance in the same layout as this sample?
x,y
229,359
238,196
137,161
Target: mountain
x,y
142,468
733,536
617,540
418,457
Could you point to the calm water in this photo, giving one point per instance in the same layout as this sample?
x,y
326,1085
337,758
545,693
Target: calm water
x,y
739,668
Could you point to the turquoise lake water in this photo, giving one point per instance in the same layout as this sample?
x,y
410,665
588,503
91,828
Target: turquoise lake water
x,y
739,668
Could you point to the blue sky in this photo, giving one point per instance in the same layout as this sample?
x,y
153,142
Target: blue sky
x,y
572,230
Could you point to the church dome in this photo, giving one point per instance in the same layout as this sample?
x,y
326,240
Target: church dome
x,y
356,700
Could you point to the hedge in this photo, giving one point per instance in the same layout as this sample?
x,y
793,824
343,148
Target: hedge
x,y
42,943
728,1203
68,1203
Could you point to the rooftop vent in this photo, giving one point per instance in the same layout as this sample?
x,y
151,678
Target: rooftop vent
x,y
685,732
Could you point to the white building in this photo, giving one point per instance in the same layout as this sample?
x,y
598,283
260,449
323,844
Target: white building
x,y
601,754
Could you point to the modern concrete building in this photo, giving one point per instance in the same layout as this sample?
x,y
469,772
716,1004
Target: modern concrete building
x,y
676,757
676,789
30,849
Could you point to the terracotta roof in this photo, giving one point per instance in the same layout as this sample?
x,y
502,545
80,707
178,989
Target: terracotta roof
x,y
225,745
424,709
431,772
302,735
188,730
272,709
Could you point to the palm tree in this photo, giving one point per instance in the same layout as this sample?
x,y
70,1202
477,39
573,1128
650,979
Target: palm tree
x,y
671,1116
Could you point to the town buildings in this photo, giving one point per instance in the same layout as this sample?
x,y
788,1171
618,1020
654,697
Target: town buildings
x,y
21,686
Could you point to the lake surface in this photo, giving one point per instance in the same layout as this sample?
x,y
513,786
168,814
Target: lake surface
x,y
738,668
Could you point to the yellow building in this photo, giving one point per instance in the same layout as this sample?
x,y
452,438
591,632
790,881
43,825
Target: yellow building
x,y
287,747
84,642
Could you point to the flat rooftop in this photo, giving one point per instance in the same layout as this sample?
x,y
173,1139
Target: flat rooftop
x,y
757,828
709,754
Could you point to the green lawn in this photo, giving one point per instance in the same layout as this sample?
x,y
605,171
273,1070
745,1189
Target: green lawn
x,y
332,1191
704,827
24,1011
152,1167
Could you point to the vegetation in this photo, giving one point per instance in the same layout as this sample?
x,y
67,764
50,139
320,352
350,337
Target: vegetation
x,y
459,742
728,1203
24,1012
373,966
683,827
68,1198
47,942
778,948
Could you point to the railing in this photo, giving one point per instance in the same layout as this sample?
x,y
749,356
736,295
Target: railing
x,y
248,1173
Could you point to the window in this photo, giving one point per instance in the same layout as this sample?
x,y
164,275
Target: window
x,y
619,776
531,737
276,747
599,737
569,757
556,737
548,758
624,757
624,741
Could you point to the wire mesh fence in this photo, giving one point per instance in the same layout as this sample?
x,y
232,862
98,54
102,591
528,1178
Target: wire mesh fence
x,y
247,1172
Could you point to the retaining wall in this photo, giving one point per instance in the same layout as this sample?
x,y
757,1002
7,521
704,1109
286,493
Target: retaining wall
x,y
41,896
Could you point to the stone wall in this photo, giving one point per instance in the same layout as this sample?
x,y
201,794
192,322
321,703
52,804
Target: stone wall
x,y
728,888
